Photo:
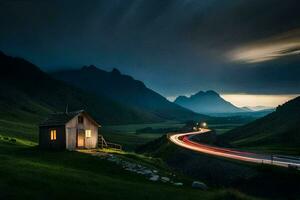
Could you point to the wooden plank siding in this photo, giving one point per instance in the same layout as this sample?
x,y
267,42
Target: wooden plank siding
x,y
45,141
73,127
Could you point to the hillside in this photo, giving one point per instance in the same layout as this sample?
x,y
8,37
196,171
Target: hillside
x,y
207,102
27,94
126,90
248,178
278,131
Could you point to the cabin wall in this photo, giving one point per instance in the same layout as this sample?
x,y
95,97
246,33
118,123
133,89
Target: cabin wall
x,y
71,134
71,138
45,141
72,128
91,142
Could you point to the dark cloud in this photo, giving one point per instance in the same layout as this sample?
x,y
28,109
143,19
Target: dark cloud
x,y
175,46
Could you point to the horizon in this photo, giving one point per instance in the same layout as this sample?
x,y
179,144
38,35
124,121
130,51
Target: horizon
x,y
251,100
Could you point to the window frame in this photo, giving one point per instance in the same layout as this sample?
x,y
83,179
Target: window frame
x,y
88,133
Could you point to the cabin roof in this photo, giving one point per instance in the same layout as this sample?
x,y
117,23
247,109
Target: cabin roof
x,y
61,118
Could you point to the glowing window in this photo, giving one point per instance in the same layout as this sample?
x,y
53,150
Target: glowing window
x,y
53,134
88,133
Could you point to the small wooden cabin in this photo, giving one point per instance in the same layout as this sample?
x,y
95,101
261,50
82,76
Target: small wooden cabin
x,y
69,130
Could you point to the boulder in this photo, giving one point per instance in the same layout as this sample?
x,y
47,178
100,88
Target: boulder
x,y
199,185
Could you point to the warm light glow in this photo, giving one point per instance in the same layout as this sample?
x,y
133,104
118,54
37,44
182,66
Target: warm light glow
x,y
53,134
88,133
204,124
241,100
268,49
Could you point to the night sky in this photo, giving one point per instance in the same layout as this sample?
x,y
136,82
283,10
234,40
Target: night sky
x,y
174,46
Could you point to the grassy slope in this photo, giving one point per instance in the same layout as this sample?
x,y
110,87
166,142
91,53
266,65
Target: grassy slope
x,y
257,180
28,173
277,132
127,136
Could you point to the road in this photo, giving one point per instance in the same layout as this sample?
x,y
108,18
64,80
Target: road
x,y
184,140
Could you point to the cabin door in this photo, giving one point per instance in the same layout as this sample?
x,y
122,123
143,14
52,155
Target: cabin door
x,y
80,139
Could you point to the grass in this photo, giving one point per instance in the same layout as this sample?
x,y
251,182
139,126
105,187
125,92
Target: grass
x,y
28,173
126,134
223,127
20,130
253,179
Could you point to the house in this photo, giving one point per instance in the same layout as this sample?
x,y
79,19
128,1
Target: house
x,y
69,130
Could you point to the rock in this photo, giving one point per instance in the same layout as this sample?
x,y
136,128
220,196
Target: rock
x,y
165,179
199,185
178,184
147,171
154,178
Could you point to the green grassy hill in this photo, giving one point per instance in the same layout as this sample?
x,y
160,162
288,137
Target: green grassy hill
x,y
28,94
277,132
27,173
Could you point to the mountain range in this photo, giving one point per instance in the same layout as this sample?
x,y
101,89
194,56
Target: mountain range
x,y
259,108
29,93
207,102
125,90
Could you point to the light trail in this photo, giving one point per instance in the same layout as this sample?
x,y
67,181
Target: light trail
x,y
183,140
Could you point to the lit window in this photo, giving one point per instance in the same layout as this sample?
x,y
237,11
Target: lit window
x,y
88,133
53,134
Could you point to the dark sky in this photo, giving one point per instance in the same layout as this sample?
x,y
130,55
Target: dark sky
x,y
174,46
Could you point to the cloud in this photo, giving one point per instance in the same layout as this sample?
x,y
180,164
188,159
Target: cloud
x,y
268,49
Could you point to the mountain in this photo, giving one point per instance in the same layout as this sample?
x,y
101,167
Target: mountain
x,y
207,102
247,109
28,94
278,131
126,90
260,108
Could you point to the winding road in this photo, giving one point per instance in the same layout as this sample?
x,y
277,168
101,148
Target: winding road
x,y
184,140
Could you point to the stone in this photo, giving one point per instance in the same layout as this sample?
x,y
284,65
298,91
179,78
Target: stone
x,y
165,179
199,185
154,178
178,184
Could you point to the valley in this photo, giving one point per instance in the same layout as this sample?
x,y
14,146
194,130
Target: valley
x,y
140,124
150,100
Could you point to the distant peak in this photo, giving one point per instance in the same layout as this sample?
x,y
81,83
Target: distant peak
x,y
116,71
90,67
181,97
199,93
207,93
211,92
